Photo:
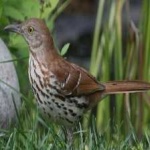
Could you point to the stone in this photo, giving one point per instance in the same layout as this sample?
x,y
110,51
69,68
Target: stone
x,y
9,89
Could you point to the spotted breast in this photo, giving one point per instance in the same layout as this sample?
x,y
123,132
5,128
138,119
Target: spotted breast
x,y
51,102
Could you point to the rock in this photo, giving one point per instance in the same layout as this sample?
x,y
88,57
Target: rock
x,y
8,96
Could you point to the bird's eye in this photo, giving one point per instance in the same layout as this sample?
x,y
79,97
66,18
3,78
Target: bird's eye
x,y
30,30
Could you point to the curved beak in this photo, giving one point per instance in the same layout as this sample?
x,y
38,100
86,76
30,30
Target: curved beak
x,y
13,28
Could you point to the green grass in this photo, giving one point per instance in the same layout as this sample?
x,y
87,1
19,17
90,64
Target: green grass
x,y
34,133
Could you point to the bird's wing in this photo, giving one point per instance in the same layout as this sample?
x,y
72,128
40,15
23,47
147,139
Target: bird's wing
x,y
74,80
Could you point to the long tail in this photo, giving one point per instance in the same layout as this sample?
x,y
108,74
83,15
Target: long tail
x,y
114,87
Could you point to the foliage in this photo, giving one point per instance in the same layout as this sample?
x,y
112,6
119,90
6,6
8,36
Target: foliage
x,y
32,135
64,49
122,59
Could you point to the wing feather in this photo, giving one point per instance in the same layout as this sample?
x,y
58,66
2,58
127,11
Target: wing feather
x,y
74,80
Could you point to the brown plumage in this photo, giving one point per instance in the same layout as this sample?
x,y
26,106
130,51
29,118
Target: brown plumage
x,y
63,90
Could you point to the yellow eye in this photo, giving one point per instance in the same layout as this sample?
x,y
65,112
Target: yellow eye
x,y
30,29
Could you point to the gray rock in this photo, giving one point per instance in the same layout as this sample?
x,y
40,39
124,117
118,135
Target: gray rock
x,y
9,98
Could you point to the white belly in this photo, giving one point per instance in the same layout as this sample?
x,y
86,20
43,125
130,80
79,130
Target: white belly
x,y
52,104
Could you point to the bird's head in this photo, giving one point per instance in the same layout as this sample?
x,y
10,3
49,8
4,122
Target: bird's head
x,y
33,30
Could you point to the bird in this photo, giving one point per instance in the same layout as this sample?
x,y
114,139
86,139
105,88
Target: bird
x,y
63,90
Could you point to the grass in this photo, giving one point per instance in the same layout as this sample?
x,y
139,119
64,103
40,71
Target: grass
x,y
35,134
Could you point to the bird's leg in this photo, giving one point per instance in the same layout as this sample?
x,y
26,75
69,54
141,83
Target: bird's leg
x,y
69,137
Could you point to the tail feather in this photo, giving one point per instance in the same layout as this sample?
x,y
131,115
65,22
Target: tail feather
x,y
114,87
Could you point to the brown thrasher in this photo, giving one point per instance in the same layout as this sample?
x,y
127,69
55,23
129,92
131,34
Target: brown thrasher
x,y
63,90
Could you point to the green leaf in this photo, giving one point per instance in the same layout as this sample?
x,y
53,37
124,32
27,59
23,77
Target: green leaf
x,y
13,13
1,7
64,49
19,43
48,7
30,8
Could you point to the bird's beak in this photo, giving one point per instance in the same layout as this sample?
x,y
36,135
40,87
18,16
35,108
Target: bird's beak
x,y
13,28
